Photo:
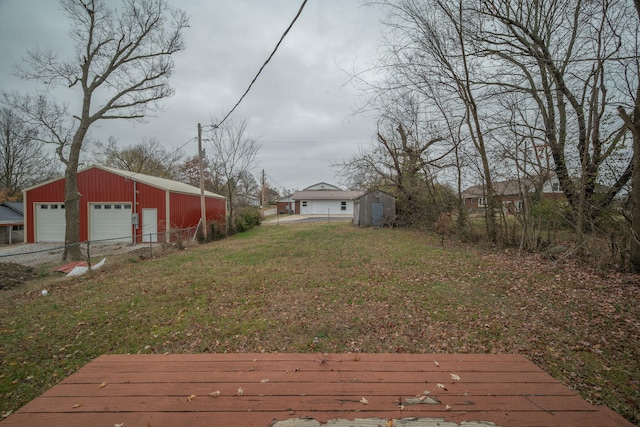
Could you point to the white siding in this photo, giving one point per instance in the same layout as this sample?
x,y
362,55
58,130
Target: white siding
x,y
324,207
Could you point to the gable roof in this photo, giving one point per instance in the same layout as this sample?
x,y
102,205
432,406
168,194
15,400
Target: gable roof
x,y
16,206
10,216
162,183
500,188
322,186
154,181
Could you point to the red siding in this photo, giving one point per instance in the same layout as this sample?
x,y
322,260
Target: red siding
x,y
97,185
185,210
52,192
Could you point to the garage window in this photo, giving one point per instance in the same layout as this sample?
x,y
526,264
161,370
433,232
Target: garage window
x,y
97,206
117,206
44,206
107,206
304,203
127,206
343,206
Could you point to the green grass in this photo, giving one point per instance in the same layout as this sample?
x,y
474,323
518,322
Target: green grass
x,y
329,288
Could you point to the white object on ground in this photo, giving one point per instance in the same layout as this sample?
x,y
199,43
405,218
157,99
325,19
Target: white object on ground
x,y
79,270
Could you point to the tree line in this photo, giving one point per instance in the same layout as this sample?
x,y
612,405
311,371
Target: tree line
x,y
482,91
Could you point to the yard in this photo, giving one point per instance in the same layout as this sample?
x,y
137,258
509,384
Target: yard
x,y
329,287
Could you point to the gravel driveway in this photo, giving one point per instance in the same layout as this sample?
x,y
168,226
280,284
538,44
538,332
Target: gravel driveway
x,y
33,254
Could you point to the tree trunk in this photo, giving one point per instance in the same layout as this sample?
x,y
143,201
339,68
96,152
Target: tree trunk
x,y
634,251
72,198
633,124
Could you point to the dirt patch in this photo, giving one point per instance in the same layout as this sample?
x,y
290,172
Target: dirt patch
x,y
12,274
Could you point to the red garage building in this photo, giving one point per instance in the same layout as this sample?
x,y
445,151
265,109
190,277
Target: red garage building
x,y
118,205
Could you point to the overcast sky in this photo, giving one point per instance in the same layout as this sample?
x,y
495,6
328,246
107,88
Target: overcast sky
x,y
300,108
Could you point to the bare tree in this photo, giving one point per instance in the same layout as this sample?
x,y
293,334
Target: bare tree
x,y
234,152
189,173
122,67
561,54
408,148
429,46
23,161
632,123
148,157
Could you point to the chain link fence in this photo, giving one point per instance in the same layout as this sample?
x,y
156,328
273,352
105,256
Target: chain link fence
x,y
37,254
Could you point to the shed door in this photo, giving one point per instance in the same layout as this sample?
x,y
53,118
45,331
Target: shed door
x,y
149,225
50,222
376,214
110,221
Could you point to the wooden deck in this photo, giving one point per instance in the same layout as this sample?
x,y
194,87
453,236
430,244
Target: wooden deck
x,y
268,389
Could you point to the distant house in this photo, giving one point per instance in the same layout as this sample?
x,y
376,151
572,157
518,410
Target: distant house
x,y
324,199
118,205
286,205
247,200
509,194
11,222
375,208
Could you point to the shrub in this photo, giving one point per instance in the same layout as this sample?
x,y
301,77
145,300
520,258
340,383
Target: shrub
x,y
218,230
246,218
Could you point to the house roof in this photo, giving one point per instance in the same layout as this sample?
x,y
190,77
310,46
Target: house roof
x,y
326,195
16,206
154,181
322,186
500,188
9,216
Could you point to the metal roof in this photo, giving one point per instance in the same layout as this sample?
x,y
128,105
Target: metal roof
x,y
154,181
9,216
162,183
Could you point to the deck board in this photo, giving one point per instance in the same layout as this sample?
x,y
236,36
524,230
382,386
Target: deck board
x,y
173,390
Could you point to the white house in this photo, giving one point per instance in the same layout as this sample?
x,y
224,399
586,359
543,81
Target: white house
x,y
324,199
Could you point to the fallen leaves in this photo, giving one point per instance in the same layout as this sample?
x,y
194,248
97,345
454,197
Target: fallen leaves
x,y
455,377
364,401
240,392
582,328
215,393
191,397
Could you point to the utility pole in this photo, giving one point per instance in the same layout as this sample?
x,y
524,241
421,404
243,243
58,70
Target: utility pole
x,y
203,206
262,195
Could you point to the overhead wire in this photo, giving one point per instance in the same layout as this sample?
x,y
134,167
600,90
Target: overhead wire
x,y
263,65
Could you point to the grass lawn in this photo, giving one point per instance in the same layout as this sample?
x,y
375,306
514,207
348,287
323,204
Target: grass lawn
x,y
320,287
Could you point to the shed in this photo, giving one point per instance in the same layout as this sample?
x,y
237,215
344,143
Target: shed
x,y
375,208
118,205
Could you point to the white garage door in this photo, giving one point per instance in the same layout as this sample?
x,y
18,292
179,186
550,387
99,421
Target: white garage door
x,y
110,221
50,222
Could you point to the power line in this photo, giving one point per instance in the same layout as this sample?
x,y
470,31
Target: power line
x,y
263,65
